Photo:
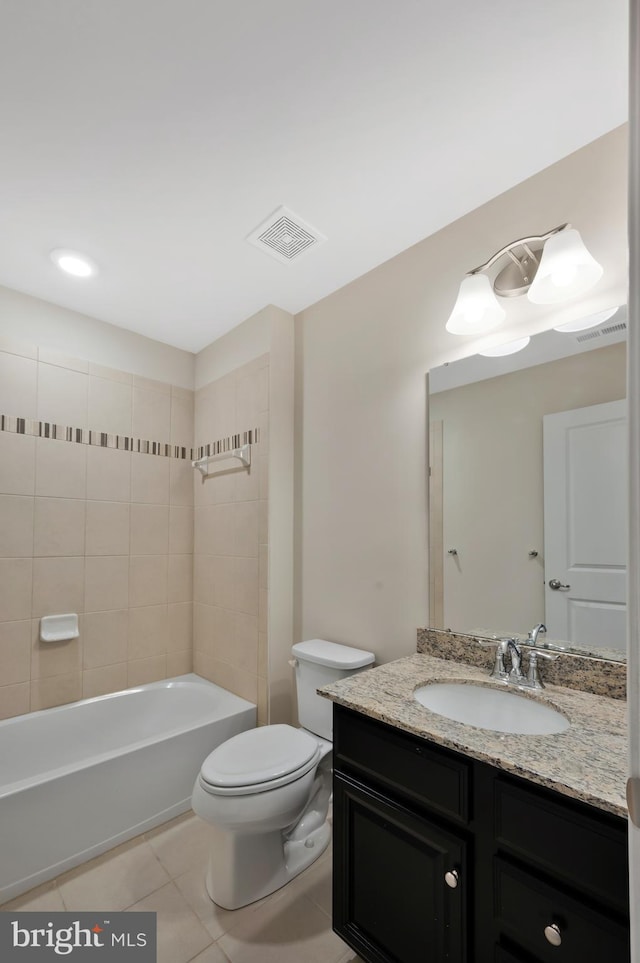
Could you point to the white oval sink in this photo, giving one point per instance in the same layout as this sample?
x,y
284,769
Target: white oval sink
x,y
490,708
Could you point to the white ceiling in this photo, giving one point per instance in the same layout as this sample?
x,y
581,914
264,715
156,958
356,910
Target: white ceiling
x,y
155,135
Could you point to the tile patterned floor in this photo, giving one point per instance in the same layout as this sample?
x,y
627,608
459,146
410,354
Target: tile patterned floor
x,y
163,871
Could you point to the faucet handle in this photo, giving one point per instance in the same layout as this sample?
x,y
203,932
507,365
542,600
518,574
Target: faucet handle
x,y
533,676
497,641
542,654
499,670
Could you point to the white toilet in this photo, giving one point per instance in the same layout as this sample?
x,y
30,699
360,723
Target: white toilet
x,y
266,792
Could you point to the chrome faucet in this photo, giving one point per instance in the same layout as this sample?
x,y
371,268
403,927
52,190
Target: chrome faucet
x,y
509,647
504,648
516,662
535,632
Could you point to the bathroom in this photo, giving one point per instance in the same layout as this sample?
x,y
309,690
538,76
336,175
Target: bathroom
x,y
326,536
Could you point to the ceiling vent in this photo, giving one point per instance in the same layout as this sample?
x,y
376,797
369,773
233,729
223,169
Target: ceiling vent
x,y
609,329
285,236
614,328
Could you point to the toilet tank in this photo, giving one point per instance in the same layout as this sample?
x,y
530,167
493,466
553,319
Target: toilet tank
x,y
317,663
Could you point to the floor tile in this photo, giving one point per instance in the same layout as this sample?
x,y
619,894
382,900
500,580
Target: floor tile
x,y
164,872
288,930
212,954
349,957
182,844
316,883
181,936
45,898
216,920
113,881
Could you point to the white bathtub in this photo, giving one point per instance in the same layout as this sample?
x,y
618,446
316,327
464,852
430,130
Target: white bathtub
x,y
78,779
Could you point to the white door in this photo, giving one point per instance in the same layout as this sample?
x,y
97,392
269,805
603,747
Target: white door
x,y
585,525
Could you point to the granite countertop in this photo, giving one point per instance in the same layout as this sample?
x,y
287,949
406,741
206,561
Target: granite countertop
x,y
588,761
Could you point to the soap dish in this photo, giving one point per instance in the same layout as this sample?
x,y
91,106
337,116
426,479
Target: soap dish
x,y
58,628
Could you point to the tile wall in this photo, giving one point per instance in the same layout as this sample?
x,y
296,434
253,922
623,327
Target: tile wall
x,y
95,526
231,538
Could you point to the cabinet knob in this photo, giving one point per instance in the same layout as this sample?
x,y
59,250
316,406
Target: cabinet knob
x,y
552,934
451,878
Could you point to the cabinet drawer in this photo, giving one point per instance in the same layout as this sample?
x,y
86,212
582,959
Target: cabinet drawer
x,y
525,906
565,840
407,764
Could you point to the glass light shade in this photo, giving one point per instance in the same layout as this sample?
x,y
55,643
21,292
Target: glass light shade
x,y
71,262
581,324
510,347
566,269
476,309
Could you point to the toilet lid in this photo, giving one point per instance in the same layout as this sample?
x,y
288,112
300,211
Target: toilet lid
x,y
259,756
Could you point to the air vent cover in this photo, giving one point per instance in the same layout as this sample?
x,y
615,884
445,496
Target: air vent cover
x,y
614,328
600,332
285,236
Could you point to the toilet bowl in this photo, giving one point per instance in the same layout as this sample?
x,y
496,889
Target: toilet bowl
x,y
265,792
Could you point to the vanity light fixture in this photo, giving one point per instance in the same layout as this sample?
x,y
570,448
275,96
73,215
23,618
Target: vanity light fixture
x,y
72,262
549,268
566,269
509,347
592,321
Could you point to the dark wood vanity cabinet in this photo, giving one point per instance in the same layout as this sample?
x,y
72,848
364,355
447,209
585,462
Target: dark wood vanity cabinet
x,y
438,857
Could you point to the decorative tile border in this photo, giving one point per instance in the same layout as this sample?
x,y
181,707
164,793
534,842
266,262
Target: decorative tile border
x,y
226,444
104,439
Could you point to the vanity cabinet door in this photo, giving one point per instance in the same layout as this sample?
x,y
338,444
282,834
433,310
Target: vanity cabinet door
x,y
400,890
506,956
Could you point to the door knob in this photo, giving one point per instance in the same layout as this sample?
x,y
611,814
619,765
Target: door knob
x,y
557,585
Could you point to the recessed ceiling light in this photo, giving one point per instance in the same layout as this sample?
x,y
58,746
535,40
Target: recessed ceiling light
x,y
71,262
509,348
589,322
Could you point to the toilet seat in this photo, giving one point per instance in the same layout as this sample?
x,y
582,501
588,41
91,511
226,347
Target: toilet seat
x,y
259,760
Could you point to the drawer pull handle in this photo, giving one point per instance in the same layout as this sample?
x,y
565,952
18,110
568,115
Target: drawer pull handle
x,y
553,935
451,878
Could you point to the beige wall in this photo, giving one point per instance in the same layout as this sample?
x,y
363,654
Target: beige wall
x,y
493,484
50,326
243,560
250,340
100,531
361,358
230,549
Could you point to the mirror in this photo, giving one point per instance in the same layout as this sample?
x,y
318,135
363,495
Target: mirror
x,y
490,556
